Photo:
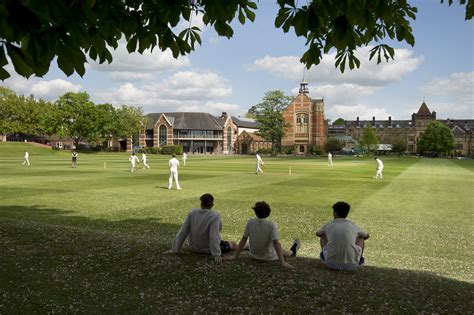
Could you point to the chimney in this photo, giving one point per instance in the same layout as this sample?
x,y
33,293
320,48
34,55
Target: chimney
x,y
224,114
373,121
357,121
390,121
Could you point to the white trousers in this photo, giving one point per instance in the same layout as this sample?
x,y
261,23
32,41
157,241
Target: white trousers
x,y
145,165
379,173
26,161
170,180
259,169
132,167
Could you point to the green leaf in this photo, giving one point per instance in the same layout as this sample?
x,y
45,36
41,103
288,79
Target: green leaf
x,y
20,60
4,74
241,17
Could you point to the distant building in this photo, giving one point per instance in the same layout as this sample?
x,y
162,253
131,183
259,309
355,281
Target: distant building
x,y
408,130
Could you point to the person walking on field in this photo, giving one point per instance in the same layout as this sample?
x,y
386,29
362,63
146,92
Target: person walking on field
x,y
184,157
173,165
259,163
144,161
342,242
202,229
329,159
379,168
74,159
133,161
26,158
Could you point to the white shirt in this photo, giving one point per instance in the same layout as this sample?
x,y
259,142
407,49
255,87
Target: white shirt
x,y
26,155
380,164
185,156
259,159
133,159
262,233
341,234
203,227
173,164
144,158
329,156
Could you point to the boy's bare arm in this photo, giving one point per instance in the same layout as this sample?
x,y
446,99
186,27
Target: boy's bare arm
x,y
279,252
239,249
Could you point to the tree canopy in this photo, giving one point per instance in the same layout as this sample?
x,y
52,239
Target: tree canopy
x,y
270,118
369,138
34,32
339,122
437,139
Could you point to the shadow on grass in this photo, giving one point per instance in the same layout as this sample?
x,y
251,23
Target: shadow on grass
x,y
55,262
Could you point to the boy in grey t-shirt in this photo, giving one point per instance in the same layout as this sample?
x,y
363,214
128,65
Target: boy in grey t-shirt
x,y
263,234
342,242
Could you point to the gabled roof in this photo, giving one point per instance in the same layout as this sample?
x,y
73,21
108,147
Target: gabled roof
x,y
424,110
244,122
187,120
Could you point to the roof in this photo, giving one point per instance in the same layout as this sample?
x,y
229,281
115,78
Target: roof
x,y
244,122
187,120
424,110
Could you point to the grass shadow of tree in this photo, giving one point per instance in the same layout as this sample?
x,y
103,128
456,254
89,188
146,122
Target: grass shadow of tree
x,y
53,262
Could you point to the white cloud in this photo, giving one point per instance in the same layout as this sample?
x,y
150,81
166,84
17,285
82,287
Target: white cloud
x,y
456,84
364,112
148,62
183,91
39,88
341,94
130,76
369,73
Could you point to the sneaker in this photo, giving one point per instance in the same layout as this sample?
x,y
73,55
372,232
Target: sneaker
x,y
361,261
179,188
294,248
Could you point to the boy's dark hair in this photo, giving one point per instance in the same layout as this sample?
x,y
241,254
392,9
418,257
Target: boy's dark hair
x,y
207,201
262,209
341,208
375,157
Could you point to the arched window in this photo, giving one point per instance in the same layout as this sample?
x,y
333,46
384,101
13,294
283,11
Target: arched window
x,y
163,135
301,123
229,139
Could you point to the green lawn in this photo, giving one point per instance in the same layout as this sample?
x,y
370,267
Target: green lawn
x,y
89,240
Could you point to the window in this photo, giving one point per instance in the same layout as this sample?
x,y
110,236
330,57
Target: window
x,y
301,123
163,135
229,139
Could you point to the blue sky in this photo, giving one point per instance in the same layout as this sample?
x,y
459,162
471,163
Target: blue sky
x,y
233,74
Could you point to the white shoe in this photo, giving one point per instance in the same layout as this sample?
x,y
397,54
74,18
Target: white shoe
x,y
179,188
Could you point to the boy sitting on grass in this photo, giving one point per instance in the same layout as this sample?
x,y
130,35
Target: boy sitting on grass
x,y
263,234
342,242
202,226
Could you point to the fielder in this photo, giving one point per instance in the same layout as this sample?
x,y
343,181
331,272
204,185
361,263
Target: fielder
x,y
144,161
185,157
379,168
259,163
329,159
133,161
74,159
26,159
173,165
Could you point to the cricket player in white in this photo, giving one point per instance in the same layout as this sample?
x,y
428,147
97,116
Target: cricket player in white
x,y
329,159
26,159
379,168
173,165
259,162
133,161
185,157
144,161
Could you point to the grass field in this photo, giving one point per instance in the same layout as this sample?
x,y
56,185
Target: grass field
x,y
89,240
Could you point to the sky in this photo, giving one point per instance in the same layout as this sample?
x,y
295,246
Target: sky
x,y
231,75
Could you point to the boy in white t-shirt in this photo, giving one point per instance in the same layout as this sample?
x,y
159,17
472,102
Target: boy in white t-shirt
x,y
263,234
342,242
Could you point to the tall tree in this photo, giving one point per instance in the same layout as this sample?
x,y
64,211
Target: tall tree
x,y
129,122
77,117
333,145
270,119
339,122
437,139
252,112
20,114
33,33
369,139
399,145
